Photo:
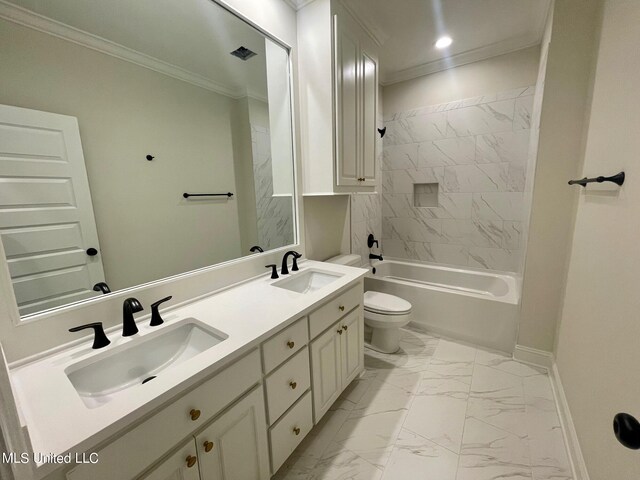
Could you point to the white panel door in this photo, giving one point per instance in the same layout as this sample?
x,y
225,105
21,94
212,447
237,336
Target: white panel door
x,y
369,94
235,445
347,104
182,465
326,370
352,345
46,214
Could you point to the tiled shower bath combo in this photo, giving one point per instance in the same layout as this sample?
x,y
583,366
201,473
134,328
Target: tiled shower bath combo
x,y
453,177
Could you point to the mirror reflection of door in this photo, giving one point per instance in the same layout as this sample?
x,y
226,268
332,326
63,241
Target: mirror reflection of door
x,y
46,216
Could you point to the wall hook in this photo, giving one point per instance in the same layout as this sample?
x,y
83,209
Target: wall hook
x,y
150,157
382,131
618,179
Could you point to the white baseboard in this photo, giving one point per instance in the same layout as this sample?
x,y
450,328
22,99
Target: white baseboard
x,y
572,444
533,356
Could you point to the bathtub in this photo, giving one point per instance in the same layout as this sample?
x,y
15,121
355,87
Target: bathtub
x,y
468,305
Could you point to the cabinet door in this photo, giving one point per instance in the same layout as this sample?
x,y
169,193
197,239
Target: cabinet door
x,y
182,465
235,445
352,345
325,370
369,96
347,136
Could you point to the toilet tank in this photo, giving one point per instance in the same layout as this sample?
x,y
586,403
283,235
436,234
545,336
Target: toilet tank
x,y
351,260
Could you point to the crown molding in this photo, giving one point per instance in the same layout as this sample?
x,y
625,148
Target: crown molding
x,y
464,58
298,4
374,31
27,18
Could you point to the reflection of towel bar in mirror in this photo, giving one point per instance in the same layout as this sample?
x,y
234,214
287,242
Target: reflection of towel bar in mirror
x,y
187,195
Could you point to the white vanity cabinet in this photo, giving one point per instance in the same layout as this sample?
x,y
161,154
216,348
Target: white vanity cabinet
x,y
338,65
337,355
181,465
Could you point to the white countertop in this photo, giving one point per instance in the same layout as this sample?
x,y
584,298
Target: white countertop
x,y
58,420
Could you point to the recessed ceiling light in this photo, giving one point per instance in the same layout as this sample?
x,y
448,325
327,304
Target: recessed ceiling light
x,y
444,42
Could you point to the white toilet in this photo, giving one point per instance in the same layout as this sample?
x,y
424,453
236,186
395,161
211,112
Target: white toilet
x,y
385,314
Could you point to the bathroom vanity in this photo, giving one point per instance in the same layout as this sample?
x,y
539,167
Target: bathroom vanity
x,y
271,356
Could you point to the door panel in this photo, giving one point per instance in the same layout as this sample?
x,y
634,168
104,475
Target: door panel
x,y
352,348
369,86
175,467
46,213
326,371
236,442
347,104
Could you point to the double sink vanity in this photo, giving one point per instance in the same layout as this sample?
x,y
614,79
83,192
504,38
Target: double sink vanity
x,y
226,387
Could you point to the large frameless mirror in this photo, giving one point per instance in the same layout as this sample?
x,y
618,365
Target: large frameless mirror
x,y
138,140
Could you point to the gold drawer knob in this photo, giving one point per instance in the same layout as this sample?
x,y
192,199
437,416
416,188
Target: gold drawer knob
x,y
340,331
293,385
208,446
341,308
191,461
290,344
195,414
296,430
344,327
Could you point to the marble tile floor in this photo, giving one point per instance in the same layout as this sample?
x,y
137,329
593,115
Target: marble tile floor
x,y
438,410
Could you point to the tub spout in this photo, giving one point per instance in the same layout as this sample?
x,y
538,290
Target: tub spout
x,y
375,257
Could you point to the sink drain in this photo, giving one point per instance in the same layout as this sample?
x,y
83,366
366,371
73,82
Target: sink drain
x,y
148,379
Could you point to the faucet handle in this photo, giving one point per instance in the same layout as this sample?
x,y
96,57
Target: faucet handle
x,y
99,339
156,319
296,256
274,270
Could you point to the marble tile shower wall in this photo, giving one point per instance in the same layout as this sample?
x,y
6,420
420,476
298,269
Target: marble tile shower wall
x,y
274,214
366,212
476,151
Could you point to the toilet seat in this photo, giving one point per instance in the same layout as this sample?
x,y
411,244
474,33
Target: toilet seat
x,y
385,304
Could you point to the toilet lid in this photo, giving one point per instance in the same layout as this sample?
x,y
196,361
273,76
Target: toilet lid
x,y
377,302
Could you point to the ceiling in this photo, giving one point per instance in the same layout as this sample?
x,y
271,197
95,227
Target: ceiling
x,y
406,31
191,39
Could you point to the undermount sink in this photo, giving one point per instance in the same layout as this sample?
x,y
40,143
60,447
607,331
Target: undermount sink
x,y
99,379
307,281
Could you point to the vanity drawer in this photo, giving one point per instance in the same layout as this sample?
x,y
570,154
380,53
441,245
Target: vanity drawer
x,y
284,344
286,384
289,431
137,449
331,311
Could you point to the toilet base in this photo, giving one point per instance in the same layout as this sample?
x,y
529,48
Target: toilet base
x,y
385,340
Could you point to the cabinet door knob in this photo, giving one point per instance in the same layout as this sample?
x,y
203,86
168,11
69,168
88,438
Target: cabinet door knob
x,y
195,414
340,331
341,308
344,327
191,461
290,344
296,430
208,446
293,385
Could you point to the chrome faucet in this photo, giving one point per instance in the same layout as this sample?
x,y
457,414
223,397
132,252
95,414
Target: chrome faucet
x,y
284,270
129,307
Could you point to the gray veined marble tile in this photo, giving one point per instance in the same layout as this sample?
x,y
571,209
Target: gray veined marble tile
x,y
512,232
498,205
372,436
400,157
414,456
425,128
442,253
494,258
415,229
382,397
449,151
398,205
438,412
473,178
489,453
402,181
523,112
340,463
480,119
502,147
487,233
397,133
394,247
506,364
